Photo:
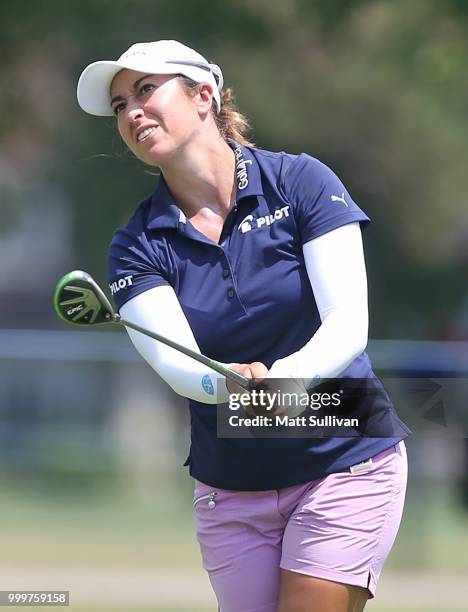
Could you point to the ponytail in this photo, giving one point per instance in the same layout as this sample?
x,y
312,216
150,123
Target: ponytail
x,y
230,121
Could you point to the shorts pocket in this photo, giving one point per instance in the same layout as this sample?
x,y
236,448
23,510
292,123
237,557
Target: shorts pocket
x,y
209,499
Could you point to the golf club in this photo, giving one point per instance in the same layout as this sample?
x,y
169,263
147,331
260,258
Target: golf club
x,y
79,300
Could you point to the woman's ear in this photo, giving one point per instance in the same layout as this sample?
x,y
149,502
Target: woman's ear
x,y
205,98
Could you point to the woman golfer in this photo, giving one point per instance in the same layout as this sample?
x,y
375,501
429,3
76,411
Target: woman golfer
x,y
255,259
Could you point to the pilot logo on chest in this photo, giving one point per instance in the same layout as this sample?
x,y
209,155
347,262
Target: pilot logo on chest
x,y
249,222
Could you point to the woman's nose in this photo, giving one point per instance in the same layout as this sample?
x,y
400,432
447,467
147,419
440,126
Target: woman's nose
x,y
134,111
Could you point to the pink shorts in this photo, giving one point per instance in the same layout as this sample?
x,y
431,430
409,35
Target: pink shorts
x,y
339,528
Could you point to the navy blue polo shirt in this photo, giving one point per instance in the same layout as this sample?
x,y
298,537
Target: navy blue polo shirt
x,y
248,298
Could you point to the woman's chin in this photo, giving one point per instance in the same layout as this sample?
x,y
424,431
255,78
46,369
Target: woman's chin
x,y
156,155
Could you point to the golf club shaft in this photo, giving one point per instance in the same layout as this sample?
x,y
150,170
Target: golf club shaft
x,y
244,382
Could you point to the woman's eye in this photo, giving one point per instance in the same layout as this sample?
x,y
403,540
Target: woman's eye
x,y
146,88
118,107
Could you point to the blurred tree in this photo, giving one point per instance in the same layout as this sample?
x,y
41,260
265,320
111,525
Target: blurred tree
x,y
376,89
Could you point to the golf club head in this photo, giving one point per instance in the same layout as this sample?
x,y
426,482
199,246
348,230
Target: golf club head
x,y
79,300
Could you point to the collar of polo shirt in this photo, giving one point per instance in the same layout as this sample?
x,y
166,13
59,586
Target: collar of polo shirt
x,y
164,210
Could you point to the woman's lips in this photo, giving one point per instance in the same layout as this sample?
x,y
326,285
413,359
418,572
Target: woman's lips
x,y
141,136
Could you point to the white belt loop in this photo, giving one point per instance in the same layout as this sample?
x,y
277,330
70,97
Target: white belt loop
x,y
364,466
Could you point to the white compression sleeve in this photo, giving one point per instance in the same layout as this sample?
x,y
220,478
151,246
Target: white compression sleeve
x,y
159,310
336,269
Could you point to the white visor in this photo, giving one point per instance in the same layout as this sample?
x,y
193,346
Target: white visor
x,y
160,57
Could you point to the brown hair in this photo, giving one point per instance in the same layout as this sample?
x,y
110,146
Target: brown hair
x,y
230,122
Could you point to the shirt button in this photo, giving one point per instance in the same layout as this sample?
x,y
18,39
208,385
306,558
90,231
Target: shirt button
x,y
230,293
225,273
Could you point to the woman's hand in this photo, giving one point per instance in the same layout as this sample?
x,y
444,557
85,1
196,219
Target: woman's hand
x,y
272,390
255,370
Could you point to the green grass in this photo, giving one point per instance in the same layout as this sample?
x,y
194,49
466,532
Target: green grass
x,y
110,531
433,535
116,530
119,532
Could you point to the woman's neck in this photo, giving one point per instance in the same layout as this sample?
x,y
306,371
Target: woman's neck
x,y
203,176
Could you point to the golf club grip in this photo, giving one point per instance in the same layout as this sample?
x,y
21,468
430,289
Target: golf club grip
x,y
244,382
